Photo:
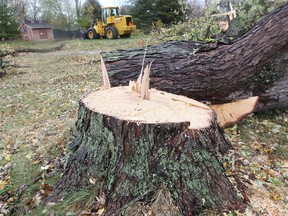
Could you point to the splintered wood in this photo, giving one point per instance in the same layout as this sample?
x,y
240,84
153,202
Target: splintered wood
x,y
106,81
141,86
231,113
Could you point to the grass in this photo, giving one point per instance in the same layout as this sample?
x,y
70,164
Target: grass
x,y
38,106
261,140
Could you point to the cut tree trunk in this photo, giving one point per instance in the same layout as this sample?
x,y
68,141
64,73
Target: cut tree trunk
x,y
256,64
135,147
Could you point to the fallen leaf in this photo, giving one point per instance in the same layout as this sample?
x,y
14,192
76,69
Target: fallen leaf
x,y
100,211
85,212
101,199
8,157
36,162
149,213
92,181
275,196
10,142
29,155
3,184
267,150
44,167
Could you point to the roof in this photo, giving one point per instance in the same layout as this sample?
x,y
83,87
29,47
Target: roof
x,y
37,24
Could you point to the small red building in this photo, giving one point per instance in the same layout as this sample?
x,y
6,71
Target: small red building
x,y
36,31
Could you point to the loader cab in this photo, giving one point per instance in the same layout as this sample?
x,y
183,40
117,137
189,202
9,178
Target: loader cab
x,y
108,13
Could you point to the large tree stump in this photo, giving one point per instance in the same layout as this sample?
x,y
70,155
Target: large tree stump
x,y
256,64
136,146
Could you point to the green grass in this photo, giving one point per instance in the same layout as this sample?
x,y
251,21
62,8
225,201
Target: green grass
x,y
78,45
70,206
38,106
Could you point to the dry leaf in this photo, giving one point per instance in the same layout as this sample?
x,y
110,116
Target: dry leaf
x,y
101,199
7,157
275,196
100,211
29,155
85,212
149,213
10,142
3,184
44,167
92,181
36,162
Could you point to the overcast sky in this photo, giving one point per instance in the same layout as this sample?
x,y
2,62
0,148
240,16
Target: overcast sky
x,y
122,2
112,2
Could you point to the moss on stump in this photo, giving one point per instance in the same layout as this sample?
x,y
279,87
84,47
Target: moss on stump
x,y
136,158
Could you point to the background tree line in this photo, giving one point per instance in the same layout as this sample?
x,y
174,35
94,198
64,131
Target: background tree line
x,y
188,18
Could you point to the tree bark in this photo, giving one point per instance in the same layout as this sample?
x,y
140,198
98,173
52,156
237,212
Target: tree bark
x,y
256,64
135,156
27,50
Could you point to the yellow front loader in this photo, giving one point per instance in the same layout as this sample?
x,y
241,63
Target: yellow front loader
x,y
111,25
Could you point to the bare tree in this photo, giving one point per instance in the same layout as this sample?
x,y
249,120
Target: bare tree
x,y
18,9
60,13
78,4
35,9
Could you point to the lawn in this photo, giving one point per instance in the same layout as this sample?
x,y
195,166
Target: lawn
x,y
39,96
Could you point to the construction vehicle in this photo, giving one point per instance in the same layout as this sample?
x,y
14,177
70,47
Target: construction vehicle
x,y
111,25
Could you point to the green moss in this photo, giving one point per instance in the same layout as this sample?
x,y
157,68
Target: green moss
x,y
135,159
269,73
192,175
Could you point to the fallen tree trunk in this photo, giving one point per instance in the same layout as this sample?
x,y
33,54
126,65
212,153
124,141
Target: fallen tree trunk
x,y
254,65
27,50
135,147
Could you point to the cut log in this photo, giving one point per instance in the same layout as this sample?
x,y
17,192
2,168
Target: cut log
x,y
256,64
231,113
27,50
137,146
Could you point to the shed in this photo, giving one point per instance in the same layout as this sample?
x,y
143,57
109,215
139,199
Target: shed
x,y
36,30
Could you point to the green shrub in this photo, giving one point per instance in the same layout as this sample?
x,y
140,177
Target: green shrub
x,y
204,26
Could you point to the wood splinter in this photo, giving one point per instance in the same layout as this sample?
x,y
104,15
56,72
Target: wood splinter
x,y
106,81
141,86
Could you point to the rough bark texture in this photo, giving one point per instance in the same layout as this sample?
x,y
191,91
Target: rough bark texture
x,y
135,159
254,65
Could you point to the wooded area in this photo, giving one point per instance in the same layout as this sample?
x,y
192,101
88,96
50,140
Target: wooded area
x,y
253,65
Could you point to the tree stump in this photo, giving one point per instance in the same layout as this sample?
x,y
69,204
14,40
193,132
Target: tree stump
x,y
136,146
